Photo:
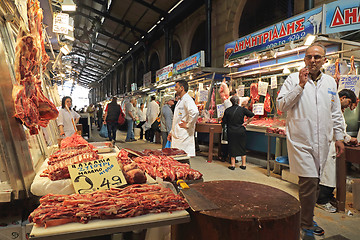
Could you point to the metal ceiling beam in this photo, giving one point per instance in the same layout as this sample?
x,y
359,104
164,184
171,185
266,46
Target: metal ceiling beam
x,y
96,74
88,78
106,47
93,67
90,58
112,36
94,52
106,15
152,7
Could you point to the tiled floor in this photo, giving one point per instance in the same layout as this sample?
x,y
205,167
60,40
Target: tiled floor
x,y
334,223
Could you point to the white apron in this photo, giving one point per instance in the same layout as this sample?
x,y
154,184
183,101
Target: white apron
x,y
182,138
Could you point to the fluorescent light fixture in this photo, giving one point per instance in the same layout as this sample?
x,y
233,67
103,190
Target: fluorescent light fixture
x,y
68,6
309,39
142,37
65,49
136,43
152,28
172,9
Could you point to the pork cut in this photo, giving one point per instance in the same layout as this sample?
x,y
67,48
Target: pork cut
x,y
267,103
131,201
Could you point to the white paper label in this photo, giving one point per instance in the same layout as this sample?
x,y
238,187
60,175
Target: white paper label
x,y
203,95
240,91
61,23
220,110
273,82
263,87
258,109
351,82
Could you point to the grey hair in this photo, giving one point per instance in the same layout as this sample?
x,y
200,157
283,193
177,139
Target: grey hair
x,y
234,100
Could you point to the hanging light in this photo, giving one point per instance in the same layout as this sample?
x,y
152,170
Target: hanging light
x,y
68,6
286,70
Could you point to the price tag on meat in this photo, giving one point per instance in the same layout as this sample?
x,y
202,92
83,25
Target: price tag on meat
x,y
273,82
96,175
263,87
258,109
240,90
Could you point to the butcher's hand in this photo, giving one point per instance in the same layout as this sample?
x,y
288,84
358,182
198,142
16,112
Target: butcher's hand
x,y
303,76
183,124
169,137
340,148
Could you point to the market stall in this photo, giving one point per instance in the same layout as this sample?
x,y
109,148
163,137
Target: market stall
x,y
261,62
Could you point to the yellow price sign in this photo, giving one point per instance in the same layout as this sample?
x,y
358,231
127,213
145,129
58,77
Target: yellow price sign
x,y
96,175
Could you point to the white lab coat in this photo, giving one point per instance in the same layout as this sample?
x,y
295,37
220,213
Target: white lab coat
x,y
181,138
313,118
328,178
152,112
64,119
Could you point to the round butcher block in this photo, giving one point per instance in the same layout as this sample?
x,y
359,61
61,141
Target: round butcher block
x,y
246,210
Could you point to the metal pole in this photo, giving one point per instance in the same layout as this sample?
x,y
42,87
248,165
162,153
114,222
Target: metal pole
x,y
309,4
208,7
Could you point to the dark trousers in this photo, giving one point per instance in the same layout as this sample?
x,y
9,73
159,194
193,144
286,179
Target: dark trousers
x,y
112,128
149,135
141,129
164,136
325,194
308,194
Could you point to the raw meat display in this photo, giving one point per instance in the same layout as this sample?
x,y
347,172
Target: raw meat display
x,y
60,170
281,131
31,105
167,168
268,122
163,152
224,91
74,141
131,201
132,173
267,103
69,152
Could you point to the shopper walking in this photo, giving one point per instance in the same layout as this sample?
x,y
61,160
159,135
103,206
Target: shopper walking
x,y
185,116
99,114
111,117
313,117
152,113
130,119
141,113
236,132
67,118
166,118
326,200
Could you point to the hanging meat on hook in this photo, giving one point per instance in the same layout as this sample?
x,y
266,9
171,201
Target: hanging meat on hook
x,y
267,103
32,107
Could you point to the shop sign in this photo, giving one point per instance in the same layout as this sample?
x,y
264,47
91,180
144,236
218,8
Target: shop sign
x,y
342,16
194,61
164,73
220,110
147,79
96,175
61,23
273,82
258,109
351,82
292,29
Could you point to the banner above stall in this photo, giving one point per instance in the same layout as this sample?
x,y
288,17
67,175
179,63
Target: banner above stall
x,y
147,79
291,29
194,61
164,73
342,16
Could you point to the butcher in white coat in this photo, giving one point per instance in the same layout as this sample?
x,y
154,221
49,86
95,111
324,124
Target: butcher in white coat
x,y
185,116
313,117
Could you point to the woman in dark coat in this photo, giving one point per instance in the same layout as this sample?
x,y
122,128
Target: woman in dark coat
x,y
234,119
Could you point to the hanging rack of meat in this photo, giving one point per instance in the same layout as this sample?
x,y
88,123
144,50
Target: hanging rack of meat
x,y
31,105
131,201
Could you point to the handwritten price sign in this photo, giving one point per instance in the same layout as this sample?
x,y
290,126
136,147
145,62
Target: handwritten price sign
x,y
96,175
